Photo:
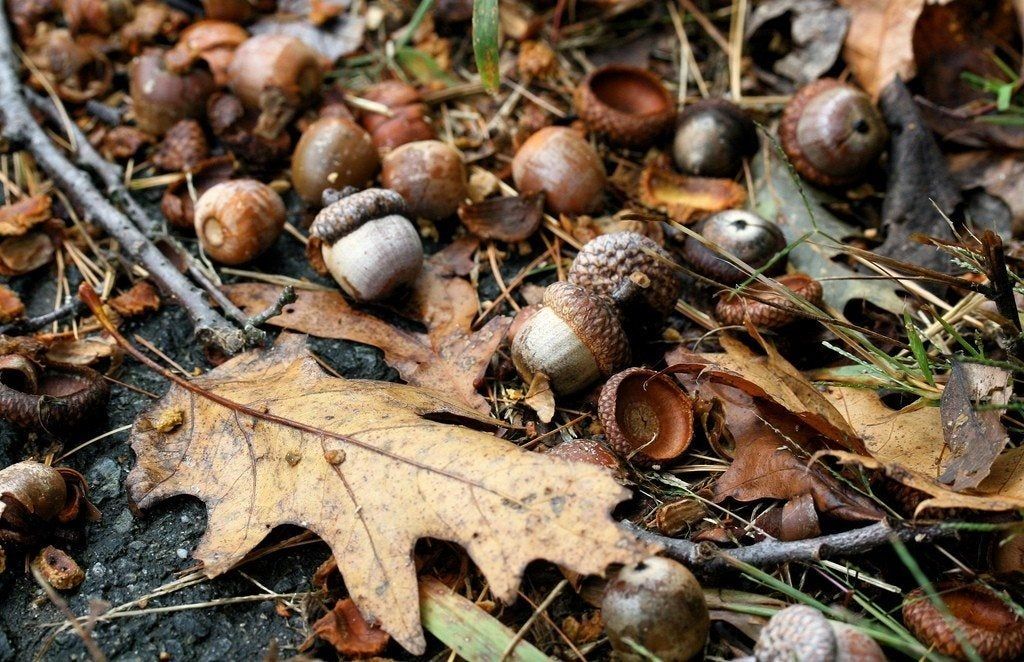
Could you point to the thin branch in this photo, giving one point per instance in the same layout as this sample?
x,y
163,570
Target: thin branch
x,y
69,309
709,559
20,128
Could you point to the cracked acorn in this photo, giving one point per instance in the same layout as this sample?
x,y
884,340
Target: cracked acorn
x,y
369,246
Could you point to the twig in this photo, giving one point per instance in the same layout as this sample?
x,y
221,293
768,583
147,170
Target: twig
x,y
21,129
286,297
709,559
69,309
541,608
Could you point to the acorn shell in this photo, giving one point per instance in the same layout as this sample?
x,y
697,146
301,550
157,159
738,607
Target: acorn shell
x,y
832,133
593,320
770,309
982,617
55,398
743,234
646,416
628,104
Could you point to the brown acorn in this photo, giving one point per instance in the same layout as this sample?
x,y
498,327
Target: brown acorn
x,y
646,416
333,152
628,104
765,307
712,139
408,120
743,234
214,42
237,220
832,133
562,164
160,98
430,176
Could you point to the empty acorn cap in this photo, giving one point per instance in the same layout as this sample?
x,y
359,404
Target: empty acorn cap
x,y
604,263
646,416
980,616
628,104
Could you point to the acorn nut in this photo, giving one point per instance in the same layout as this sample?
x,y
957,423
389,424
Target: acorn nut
x,y
832,132
238,220
712,139
610,264
743,234
160,97
630,105
408,120
802,633
369,246
659,605
575,339
333,152
979,616
562,164
430,176
646,416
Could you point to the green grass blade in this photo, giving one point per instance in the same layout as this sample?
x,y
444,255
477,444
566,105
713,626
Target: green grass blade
x,y
917,347
471,632
486,42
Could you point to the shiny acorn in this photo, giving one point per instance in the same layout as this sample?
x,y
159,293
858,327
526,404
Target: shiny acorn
x,y
238,220
712,139
743,234
333,152
560,163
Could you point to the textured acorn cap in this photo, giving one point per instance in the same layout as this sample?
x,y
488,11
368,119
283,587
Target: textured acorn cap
x,y
352,210
593,320
981,617
605,262
646,416
733,309
796,633
628,104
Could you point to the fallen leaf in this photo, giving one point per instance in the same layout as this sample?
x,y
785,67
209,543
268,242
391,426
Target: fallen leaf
x,y
345,628
814,30
28,252
687,199
879,44
975,436
80,351
368,467
505,218
11,307
140,298
450,357
801,214
22,216
540,398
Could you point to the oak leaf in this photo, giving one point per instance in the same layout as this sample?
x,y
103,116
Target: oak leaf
x,y
268,439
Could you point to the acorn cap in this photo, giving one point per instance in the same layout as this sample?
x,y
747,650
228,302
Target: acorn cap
x,y
798,632
981,617
743,234
53,398
593,320
350,211
628,104
732,309
604,263
646,416
832,132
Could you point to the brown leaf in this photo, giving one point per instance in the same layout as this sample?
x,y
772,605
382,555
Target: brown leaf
x,y
975,436
20,255
450,357
138,299
687,199
345,628
368,467
879,44
505,219
11,307
22,216
813,29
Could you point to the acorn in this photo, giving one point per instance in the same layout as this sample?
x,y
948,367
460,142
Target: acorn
x,y
765,307
100,17
430,176
802,633
630,105
369,246
562,164
659,605
608,265
213,42
575,339
832,133
333,152
52,398
979,616
743,234
646,416
237,220
712,139
160,98
408,120
277,74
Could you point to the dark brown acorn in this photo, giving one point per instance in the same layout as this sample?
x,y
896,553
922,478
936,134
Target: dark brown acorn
x,y
765,307
712,139
743,234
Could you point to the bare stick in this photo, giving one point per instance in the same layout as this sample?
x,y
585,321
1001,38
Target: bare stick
x,y
709,559
32,323
21,129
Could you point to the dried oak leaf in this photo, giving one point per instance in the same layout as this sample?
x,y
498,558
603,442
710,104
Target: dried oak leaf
x,y
11,307
879,44
138,299
22,216
450,357
345,628
975,435
370,468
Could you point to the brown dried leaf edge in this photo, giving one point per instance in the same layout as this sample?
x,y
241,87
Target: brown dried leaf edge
x,y
370,468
